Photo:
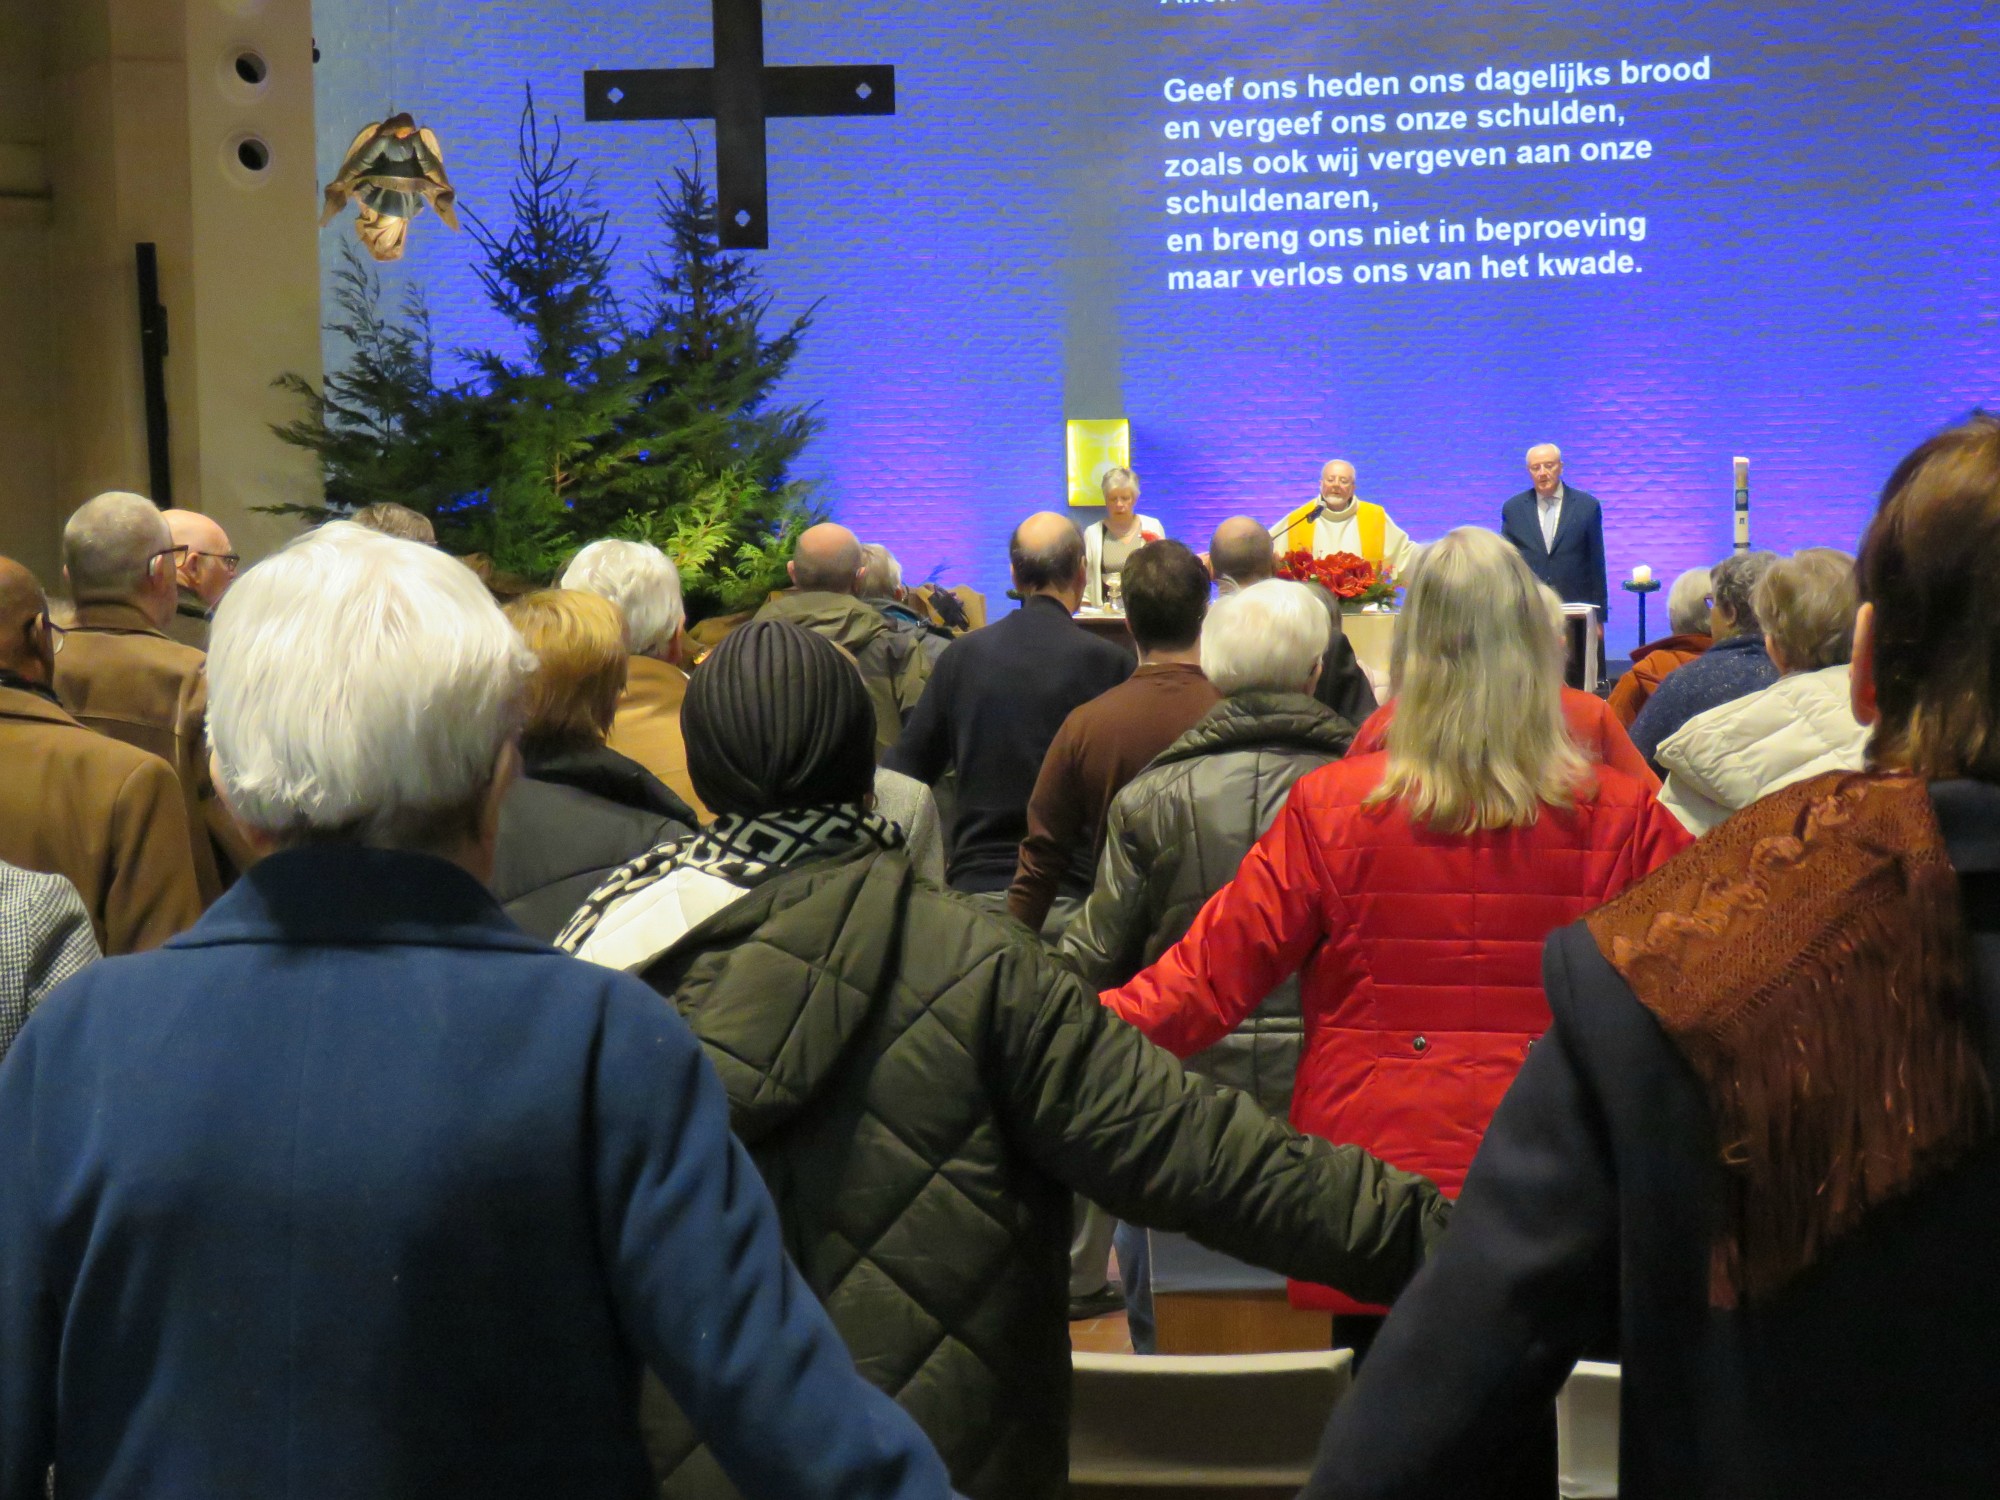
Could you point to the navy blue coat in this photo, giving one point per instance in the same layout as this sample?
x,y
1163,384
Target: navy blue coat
x,y
1574,568
1584,1224
354,1190
992,707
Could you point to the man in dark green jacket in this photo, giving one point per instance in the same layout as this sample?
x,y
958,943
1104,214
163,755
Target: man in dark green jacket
x,y
923,1088
826,572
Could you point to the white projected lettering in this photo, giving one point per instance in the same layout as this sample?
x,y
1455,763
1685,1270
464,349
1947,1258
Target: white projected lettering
x,y
1574,116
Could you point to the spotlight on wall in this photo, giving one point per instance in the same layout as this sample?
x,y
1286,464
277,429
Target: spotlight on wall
x,y
390,172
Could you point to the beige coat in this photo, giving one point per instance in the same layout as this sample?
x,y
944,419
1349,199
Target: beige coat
x,y
648,725
106,815
121,676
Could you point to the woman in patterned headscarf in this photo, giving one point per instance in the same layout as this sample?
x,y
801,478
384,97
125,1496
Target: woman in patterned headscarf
x,y
781,746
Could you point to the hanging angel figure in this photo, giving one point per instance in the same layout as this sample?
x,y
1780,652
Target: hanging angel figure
x,y
391,171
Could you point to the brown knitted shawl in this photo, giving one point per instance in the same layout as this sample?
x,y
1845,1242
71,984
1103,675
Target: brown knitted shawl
x,y
1808,960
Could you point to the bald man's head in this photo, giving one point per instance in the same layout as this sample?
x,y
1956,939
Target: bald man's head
x,y
1241,552
827,560
1046,553
209,565
25,646
1336,483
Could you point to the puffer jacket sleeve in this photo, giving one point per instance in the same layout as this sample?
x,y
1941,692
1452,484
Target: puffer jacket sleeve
x,y
1252,933
1113,1117
696,1262
1658,837
1107,938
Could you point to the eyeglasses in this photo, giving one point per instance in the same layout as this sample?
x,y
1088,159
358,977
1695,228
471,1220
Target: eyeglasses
x,y
56,634
230,560
178,554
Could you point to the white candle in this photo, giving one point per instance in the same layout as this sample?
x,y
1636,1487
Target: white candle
x,y
1642,574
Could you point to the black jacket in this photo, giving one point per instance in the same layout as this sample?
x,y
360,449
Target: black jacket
x,y
1585,1220
923,1090
573,818
1574,567
1175,836
993,704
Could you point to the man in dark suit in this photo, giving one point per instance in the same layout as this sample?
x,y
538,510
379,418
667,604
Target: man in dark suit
x,y
1754,1149
1560,531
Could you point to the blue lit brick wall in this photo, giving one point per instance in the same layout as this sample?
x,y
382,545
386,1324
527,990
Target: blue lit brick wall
x,y
1820,287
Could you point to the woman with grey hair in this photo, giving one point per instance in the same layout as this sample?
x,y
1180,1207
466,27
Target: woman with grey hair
x,y
1720,762
1654,662
377,1189
1734,667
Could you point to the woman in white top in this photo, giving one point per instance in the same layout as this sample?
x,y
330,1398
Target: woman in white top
x,y
1721,761
1109,542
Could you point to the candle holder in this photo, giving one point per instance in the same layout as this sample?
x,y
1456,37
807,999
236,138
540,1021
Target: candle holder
x,y
1650,586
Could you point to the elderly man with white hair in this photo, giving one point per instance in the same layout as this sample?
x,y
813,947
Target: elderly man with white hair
x,y
376,1189
646,586
1559,531
122,675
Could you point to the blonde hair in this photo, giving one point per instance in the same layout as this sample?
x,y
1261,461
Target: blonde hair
x,y
579,641
1478,740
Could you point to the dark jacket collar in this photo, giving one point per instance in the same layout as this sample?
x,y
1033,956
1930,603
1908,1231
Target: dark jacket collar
x,y
1272,721
603,772
1968,814
116,617
342,895
1042,607
191,605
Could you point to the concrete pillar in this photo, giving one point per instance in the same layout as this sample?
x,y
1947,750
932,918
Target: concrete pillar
x,y
187,123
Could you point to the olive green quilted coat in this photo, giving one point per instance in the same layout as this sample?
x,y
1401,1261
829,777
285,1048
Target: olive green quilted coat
x,y
923,1090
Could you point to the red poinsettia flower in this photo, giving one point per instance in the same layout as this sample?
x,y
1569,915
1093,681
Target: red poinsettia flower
x,y
1347,576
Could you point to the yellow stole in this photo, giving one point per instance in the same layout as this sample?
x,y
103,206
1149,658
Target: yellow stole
x,y
1371,521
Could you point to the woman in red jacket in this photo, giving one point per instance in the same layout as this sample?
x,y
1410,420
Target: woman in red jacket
x,y
1413,888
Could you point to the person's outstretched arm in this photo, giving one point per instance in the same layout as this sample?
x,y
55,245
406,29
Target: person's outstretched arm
x,y
1252,933
707,1294
1527,1280
31,1296
1115,1118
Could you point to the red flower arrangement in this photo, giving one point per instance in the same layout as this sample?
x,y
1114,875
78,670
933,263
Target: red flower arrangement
x,y
1350,579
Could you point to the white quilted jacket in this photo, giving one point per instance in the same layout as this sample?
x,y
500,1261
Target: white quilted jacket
x,y
1720,762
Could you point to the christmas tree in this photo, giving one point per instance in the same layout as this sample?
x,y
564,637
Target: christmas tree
x,y
661,426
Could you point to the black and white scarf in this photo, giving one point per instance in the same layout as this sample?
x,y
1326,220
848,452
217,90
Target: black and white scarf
x,y
740,850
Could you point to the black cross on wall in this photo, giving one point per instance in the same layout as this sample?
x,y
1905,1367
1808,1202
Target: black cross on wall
x,y
739,93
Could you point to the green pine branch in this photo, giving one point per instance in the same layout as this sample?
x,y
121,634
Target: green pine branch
x,y
662,424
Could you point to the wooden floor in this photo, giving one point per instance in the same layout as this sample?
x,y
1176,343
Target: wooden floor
x,y
1106,1335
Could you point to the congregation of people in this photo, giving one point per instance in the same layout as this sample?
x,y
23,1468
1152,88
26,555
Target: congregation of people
x,y
453,1045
